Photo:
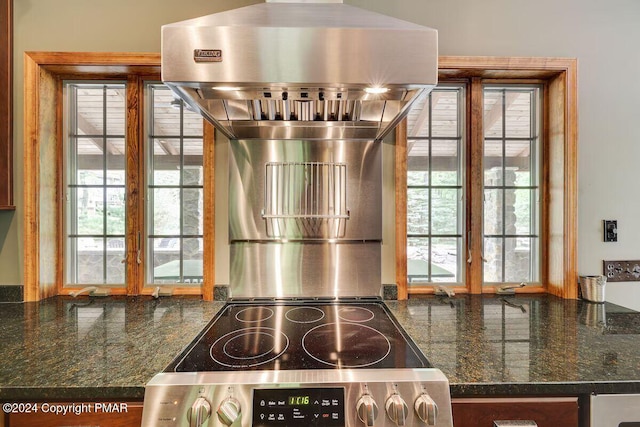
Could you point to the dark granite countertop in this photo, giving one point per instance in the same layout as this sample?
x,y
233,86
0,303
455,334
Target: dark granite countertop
x,y
526,345
93,348
109,348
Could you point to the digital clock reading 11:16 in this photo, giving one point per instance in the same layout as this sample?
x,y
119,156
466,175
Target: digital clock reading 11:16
x,y
298,400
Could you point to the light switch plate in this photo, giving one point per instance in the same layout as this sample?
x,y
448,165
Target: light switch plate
x,y
610,230
621,271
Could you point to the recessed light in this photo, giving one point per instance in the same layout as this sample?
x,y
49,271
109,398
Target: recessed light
x,y
226,88
376,90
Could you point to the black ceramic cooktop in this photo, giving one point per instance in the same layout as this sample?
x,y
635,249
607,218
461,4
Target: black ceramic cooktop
x,y
300,335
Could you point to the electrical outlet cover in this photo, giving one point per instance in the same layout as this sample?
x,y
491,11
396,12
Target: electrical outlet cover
x,y
621,271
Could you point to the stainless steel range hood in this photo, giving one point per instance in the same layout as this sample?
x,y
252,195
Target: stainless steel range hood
x,y
300,70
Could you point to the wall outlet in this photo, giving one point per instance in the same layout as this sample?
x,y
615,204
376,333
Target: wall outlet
x,y
610,230
621,271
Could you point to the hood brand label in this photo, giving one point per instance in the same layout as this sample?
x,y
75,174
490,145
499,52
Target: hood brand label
x,y
207,55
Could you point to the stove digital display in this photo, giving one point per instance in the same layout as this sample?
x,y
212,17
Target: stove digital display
x,y
298,407
298,400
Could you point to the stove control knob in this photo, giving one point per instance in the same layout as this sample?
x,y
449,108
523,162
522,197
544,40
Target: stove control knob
x,y
199,412
229,411
397,409
426,409
367,409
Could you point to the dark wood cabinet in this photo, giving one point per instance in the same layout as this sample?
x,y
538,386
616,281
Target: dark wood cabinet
x,y
546,412
103,414
6,105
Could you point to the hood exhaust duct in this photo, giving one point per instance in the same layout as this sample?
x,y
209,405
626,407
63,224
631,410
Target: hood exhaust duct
x,y
300,70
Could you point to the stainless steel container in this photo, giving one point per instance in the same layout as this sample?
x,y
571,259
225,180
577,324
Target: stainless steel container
x,y
592,288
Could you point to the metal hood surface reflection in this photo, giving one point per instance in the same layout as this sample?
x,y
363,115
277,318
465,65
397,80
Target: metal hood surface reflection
x,y
300,70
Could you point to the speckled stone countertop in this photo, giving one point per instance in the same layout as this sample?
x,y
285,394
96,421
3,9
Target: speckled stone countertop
x,y
109,348
526,345
93,348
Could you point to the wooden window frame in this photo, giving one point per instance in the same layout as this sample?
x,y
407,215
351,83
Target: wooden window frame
x,y
43,165
6,105
558,77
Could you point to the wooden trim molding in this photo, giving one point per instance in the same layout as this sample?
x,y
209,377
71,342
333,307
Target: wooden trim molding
x,y
401,207
475,190
559,189
43,177
209,257
6,105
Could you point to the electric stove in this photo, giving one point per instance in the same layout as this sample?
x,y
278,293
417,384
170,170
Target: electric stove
x,y
298,363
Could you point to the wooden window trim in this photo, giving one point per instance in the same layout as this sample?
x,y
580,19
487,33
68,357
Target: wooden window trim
x,y
43,217
559,168
6,105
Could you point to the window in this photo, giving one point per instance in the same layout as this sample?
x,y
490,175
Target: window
x,y
511,179
511,184
137,176
435,177
436,171
175,207
95,184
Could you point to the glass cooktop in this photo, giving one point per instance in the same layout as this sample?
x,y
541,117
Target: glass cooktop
x,y
300,335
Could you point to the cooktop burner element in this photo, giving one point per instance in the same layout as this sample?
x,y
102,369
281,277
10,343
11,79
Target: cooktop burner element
x,y
249,347
360,345
300,335
254,314
355,314
304,315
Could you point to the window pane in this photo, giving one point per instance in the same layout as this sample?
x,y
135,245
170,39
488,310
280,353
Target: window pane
x,y
418,259
517,261
445,163
115,255
90,210
418,162
166,162
115,211
444,109
192,123
418,117
166,113
90,263
493,166
166,218
116,102
89,162
518,154
192,262
116,161
493,212
418,211
493,249
192,168
518,114
192,211
522,207
166,260
89,104
493,113
445,211
444,256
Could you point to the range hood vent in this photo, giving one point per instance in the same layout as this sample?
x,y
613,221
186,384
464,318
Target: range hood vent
x,y
284,70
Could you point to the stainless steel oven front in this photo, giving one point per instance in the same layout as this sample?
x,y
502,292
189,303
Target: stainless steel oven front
x,y
309,398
